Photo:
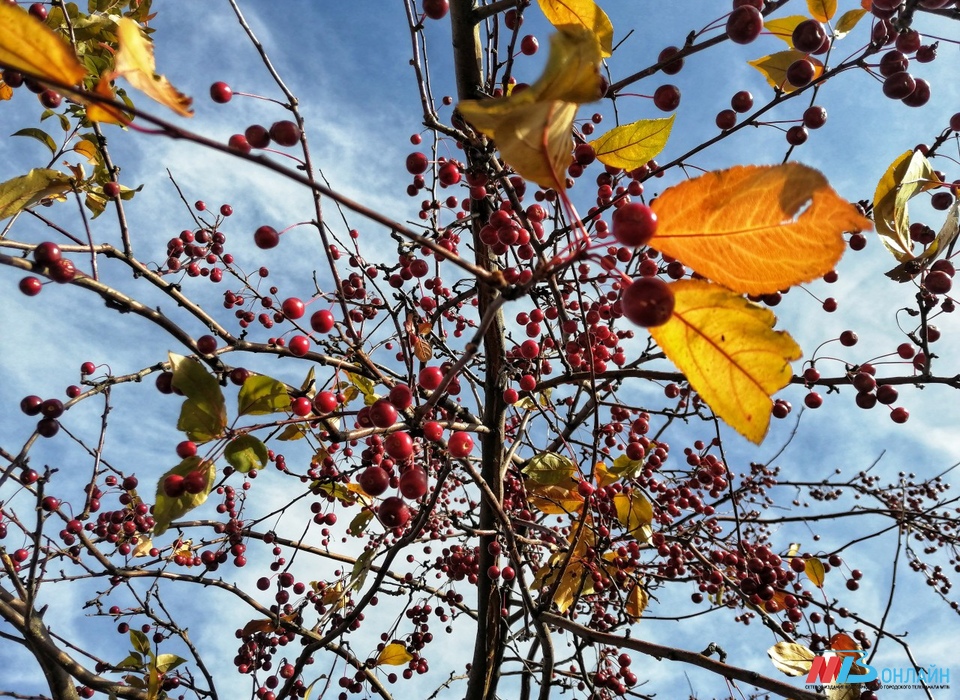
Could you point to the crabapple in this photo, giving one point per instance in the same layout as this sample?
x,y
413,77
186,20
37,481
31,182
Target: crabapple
x,y
285,133
187,448
220,92
322,321
325,402
292,308
266,237
413,482
460,444
399,445
436,9
648,301
430,377
299,345
634,224
195,482
173,485
383,413
393,512
374,480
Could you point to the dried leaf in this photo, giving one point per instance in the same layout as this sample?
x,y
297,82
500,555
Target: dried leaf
x,y
791,659
774,67
422,349
254,626
633,145
246,452
6,92
727,348
394,654
134,61
822,10
783,27
261,395
167,509
813,567
756,229
32,47
143,547
24,191
585,13
549,468
635,513
848,20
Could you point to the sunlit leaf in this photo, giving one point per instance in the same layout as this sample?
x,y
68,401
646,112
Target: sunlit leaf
x,y
624,468
848,20
729,352
144,545
203,415
360,522
32,47
756,229
603,476
6,92
261,395
246,452
791,659
294,431
201,421
394,654
26,190
549,468
908,175
793,550
845,691
365,386
822,10
945,239
843,642
572,73
635,513
190,377
633,145
254,626
168,662
166,508
585,13
39,135
555,499
101,111
636,602
813,567
88,149
782,27
774,67
134,61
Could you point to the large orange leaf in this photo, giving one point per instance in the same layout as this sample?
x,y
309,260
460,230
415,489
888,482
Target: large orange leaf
x,y
822,10
729,352
756,229
134,61
632,145
774,67
584,13
31,46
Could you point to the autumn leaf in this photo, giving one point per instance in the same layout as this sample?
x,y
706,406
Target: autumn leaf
x,y
394,654
791,659
585,13
38,135
944,241
166,508
623,467
261,395
822,10
633,145
549,468
32,47
848,20
555,499
782,27
37,185
729,352
6,92
246,452
635,513
203,415
774,67
134,61
907,176
756,229
636,603
101,111
813,567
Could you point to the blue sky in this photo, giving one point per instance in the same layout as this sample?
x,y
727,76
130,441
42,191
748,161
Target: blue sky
x,y
348,64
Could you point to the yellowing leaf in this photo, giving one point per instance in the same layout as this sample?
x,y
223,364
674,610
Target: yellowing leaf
x,y
246,452
261,395
394,654
549,468
822,10
166,508
729,352
134,61
632,145
843,643
203,415
848,20
774,67
636,603
603,476
756,229
555,499
813,567
39,135
945,239
908,175
88,150
366,387
32,47
791,659
783,27
39,184
585,13
143,548
102,112
572,73
635,513
6,92
624,467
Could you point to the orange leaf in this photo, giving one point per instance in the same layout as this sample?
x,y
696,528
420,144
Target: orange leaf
x,y
774,67
841,642
633,145
100,112
727,348
254,626
637,600
32,47
555,499
134,61
822,10
743,227
6,92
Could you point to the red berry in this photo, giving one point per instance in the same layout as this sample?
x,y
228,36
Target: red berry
x,y
220,92
322,321
206,344
374,480
648,301
47,253
195,482
301,406
401,396
293,308
634,224
62,271
31,286
413,482
938,282
325,402
285,133
399,445
394,512
744,24
266,237
460,444
433,431
257,136
299,345
436,9
666,98
383,413
417,163
187,448
899,415
31,405
238,142
173,485
529,45
430,377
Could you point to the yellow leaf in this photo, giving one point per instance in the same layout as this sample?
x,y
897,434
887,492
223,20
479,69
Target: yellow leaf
x,y
88,150
554,499
635,513
585,13
637,600
908,175
790,658
394,654
774,67
632,145
743,227
26,190
572,73
143,548
813,567
729,352
603,476
32,47
848,20
549,468
783,27
822,10
945,239
6,92
134,61
106,113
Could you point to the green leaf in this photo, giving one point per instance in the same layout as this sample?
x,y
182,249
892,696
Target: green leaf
x,y
366,387
361,568
549,468
167,509
190,377
203,416
24,191
360,522
245,453
294,431
168,662
134,660
633,145
261,395
624,467
200,421
140,642
40,135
